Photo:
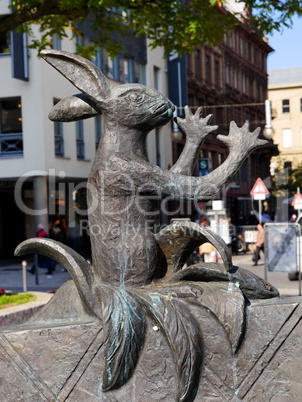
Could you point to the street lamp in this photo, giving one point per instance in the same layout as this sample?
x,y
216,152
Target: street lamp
x,y
268,130
176,134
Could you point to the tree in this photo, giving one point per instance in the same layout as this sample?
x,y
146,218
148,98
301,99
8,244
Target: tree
x,y
171,24
286,180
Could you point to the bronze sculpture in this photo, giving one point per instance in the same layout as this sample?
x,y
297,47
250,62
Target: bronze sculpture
x,y
137,273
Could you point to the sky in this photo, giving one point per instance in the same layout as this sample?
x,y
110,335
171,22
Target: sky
x,y
287,46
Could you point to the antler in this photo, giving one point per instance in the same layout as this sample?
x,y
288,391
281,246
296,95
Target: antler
x,y
196,129
154,180
241,142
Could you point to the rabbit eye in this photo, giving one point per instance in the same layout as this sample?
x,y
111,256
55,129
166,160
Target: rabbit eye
x,y
136,98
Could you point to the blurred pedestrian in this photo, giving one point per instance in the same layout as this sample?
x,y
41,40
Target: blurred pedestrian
x,y
207,250
259,245
73,234
43,261
56,232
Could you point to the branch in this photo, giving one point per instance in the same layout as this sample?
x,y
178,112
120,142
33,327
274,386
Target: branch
x,y
32,14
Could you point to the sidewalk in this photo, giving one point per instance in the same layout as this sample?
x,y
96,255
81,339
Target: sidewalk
x,y
11,276
278,279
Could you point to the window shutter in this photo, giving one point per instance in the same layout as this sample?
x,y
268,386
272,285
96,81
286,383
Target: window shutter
x,y
19,56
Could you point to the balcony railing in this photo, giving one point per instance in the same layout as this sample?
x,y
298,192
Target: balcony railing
x,y
11,144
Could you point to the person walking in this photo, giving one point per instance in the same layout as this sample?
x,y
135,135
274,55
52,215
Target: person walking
x,y
259,243
43,261
207,250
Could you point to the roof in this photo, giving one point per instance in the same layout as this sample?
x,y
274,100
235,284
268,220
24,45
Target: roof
x,y
285,76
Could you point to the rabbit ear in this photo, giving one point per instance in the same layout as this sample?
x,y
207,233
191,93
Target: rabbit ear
x,y
72,108
80,72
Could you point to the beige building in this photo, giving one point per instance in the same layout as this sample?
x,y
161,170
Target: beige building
x,y
285,94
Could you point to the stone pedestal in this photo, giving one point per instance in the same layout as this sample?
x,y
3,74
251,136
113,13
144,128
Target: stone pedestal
x,y
63,360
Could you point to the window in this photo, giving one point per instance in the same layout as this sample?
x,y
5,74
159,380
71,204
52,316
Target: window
x,y
285,106
11,138
129,69
59,140
142,74
219,116
19,51
157,146
262,61
189,63
227,74
208,68
249,52
235,78
156,77
242,173
234,40
287,138
243,83
197,63
192,101
251,87
98,130
217,73
256,56
242,46
80,139
5,43
98,61
157,130
56,42
114,68
58,133
287,165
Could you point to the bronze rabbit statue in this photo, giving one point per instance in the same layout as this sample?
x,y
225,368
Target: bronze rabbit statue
x,y
136,270
124,188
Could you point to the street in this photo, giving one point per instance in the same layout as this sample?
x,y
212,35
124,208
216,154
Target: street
x,y
278,279
11,277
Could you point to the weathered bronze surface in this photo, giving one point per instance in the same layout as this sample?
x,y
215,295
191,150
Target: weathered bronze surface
x,y
137,325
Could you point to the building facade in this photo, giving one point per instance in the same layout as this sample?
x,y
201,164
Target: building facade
x,y
285,94
44,165
230,82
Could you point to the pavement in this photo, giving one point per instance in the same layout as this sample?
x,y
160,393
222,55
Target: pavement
x,y
11,277
280,280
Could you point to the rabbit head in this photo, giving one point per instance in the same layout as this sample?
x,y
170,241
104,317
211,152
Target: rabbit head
x,y
131,105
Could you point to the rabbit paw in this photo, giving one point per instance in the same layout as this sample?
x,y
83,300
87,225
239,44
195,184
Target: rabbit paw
x,y
195,126
241,139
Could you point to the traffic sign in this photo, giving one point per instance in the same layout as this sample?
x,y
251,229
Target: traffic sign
x,y
259,190
203,166
297,201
